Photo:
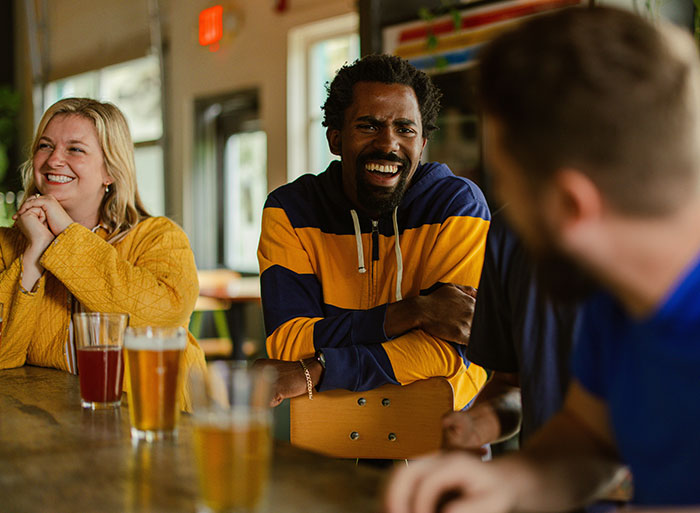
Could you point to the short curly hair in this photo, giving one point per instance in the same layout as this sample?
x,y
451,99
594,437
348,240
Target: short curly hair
x,y
387,69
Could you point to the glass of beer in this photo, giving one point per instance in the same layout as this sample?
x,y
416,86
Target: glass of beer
x,y
154,366
232,437
98,340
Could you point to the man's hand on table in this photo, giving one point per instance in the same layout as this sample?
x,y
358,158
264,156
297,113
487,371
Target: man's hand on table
x,y
457,482
291,379
446,313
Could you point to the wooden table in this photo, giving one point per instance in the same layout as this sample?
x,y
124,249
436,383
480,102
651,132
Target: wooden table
x,y
55,456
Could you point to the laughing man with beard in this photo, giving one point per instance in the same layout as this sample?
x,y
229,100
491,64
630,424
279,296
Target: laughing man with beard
x,y
368,269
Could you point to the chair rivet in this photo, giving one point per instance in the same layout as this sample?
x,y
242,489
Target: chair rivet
x,y
362,401
386,402
392,437
354,435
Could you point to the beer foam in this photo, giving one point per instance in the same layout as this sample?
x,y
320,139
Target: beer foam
x,y
238,417
154,344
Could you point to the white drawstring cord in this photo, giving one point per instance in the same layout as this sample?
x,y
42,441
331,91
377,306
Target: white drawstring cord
x,y
358,240
399,257
397,249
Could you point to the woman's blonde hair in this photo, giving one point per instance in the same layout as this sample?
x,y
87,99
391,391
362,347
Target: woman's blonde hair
x,y
121,207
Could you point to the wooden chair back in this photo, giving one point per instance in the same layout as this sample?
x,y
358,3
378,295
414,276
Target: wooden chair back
x,y
389,422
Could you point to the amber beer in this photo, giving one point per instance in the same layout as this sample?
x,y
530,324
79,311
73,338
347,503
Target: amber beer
x,y
154,365
232,436
233,460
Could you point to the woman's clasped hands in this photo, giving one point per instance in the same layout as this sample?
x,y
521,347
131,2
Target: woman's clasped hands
x,y
41,219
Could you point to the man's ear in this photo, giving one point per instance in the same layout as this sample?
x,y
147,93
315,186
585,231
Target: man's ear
x,y
333,136
576,204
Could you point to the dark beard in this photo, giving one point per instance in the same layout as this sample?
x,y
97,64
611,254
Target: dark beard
x,y
562,280
376,200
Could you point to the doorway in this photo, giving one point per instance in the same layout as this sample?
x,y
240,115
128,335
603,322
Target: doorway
x,y
230,181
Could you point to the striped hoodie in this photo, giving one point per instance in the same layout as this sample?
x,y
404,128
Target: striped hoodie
x,y
328,273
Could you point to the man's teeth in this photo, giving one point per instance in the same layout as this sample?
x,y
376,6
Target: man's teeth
x,y
379,168
59,178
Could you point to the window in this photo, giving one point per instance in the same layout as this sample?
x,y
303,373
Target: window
x,y
245,182
134,87
316,52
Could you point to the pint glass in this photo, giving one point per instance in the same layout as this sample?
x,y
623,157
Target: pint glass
x,y
232,438
154,365
98,341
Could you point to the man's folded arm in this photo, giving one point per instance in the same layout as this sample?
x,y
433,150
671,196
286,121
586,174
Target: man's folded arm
x,y
296,321
410,357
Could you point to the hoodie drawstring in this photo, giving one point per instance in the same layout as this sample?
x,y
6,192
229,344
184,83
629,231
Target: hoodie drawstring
x,y
397,249
358,240
399,256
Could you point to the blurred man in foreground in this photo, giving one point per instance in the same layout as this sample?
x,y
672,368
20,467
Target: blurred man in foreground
x,y
525,325
592,123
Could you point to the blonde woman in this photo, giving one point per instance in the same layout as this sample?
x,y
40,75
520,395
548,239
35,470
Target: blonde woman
x,y
82,240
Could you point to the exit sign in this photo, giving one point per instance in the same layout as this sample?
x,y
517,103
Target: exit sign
x,y
211,27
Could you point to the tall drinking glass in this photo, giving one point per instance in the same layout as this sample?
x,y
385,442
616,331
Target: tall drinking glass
x,y
232,437
98,340
154,365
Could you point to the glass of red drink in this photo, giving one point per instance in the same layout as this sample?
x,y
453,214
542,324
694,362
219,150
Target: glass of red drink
x,y
99,338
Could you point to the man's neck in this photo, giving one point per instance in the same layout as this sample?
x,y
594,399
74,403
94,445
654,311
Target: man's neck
x,y
646,258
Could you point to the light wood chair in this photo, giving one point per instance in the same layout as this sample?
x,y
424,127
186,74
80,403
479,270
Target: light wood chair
x,y
389,422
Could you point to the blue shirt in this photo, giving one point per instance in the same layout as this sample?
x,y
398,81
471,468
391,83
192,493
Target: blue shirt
x,y
648,373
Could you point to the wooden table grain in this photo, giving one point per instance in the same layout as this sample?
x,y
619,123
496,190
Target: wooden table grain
x,y
56,456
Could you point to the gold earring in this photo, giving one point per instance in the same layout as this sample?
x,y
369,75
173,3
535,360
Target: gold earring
x,y
106,188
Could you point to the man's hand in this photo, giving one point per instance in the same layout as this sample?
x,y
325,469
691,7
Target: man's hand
x,y
447,313
494,416
454,483
465,430
291,380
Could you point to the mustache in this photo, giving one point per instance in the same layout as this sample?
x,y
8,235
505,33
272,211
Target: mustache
x,y
378,155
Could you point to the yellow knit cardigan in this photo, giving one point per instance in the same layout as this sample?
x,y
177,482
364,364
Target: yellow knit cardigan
x,y
149,274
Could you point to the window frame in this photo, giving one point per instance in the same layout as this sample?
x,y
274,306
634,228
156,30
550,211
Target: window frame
x,y
301,40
